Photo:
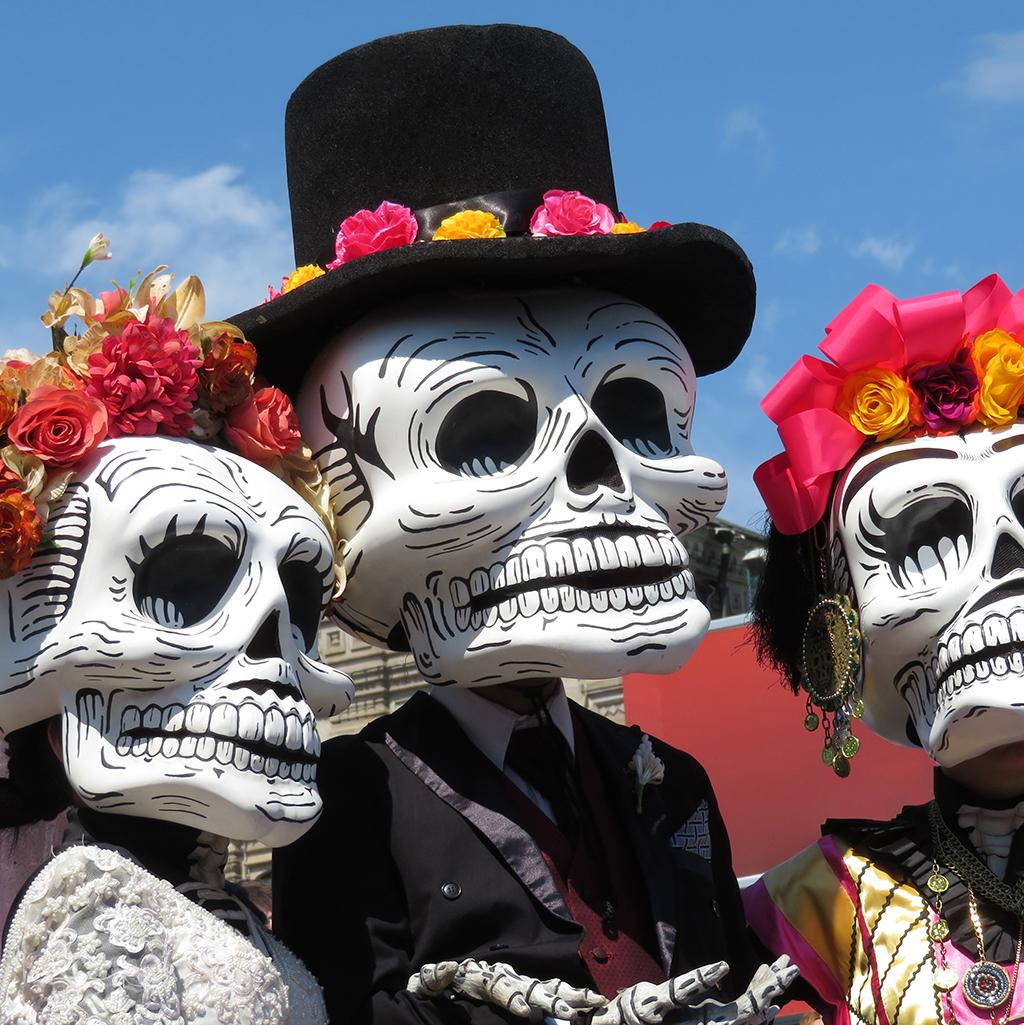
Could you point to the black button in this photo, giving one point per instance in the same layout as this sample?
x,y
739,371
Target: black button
x,y
451,890
714,907
599,955
499,946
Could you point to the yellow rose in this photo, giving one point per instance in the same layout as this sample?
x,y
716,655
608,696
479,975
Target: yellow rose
x,y
626,228
300,276
999,362
876,402
469,224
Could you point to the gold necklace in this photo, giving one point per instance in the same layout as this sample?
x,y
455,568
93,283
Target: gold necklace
x,y
986,985
950,850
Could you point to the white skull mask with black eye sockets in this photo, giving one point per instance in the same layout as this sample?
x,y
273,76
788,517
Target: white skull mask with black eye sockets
x,y
931,536
173,627
514,472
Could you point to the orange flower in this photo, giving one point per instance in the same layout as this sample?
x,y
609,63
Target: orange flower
x,y
626,228
21,530
263,428
226,376
300,276
999,362
8,401
469,224
876,402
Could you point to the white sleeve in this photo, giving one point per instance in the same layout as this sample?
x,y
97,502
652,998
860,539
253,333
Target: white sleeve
x,y
88,945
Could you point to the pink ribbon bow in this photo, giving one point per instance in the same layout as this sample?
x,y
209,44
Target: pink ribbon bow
x,y
875,330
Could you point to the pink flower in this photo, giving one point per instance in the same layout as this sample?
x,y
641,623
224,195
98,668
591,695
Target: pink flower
x,y
263,427
571,213
147,377
110,302
371,231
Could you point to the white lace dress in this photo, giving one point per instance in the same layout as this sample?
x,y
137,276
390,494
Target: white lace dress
x,y
98,940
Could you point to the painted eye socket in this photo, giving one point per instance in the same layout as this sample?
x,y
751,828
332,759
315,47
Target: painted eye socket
x,y
634,413
183,579
923,544
304,588
487,432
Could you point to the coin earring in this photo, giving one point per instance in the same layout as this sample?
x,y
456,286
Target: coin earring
x,y
831,659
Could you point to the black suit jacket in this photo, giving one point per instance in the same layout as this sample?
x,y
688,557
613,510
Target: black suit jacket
x,y
417,859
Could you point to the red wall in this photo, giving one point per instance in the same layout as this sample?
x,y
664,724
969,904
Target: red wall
x,y
747,730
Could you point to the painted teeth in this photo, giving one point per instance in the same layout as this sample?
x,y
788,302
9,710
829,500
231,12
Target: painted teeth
x,y
211,732
557,559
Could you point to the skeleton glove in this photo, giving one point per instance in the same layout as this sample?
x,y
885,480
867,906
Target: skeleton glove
x,y
502,985
672,1001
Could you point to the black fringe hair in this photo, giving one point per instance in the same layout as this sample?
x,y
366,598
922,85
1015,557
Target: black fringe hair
x,y
787,591
36,788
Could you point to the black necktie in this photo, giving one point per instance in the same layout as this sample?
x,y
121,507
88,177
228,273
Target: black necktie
x,y
542,757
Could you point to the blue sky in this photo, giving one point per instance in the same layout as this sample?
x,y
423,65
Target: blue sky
x,y
839,144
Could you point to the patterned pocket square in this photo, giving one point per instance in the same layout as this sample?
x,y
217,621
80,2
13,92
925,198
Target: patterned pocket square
x,y
694,835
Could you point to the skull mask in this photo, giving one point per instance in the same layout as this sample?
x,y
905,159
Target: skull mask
x,y
514,471
931,534
173,627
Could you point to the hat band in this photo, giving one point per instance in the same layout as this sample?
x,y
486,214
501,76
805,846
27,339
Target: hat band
x,y
513,208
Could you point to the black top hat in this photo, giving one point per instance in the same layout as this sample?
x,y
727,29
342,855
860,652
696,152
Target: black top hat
x,y
475,117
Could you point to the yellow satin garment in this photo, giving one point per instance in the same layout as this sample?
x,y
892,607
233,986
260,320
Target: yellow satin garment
x,y
868,931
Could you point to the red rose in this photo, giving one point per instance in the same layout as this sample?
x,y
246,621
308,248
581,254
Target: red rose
x,y
21,530
658,225
571,213
147,377
58,425
264,427
370,231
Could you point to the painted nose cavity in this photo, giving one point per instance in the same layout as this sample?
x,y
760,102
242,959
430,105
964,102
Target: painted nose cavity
x,y
1007,557
266,642
592,465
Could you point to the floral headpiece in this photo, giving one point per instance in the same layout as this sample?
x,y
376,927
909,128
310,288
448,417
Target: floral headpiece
x,y
930,365
391,225
145,364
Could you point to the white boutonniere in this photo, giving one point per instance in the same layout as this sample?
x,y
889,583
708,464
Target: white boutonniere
x,y
648,769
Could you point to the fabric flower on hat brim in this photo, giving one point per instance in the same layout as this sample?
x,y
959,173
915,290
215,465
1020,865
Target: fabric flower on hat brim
x,y
469,224
372,231
571,213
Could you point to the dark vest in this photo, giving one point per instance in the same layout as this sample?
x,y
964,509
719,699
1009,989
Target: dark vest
x,y
603,888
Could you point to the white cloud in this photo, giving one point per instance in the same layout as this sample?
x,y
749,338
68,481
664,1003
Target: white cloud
x,y
743,123
768,316
997,73
758,378
803,241
210,223
945,271
891,253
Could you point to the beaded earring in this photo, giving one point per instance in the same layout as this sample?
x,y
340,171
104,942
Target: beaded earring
x,y
830,663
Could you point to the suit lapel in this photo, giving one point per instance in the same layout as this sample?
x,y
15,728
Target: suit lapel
x,y
428,741
647,832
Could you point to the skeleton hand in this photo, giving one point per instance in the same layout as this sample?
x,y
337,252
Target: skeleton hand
x,y
649,1003
501,984
672,1001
